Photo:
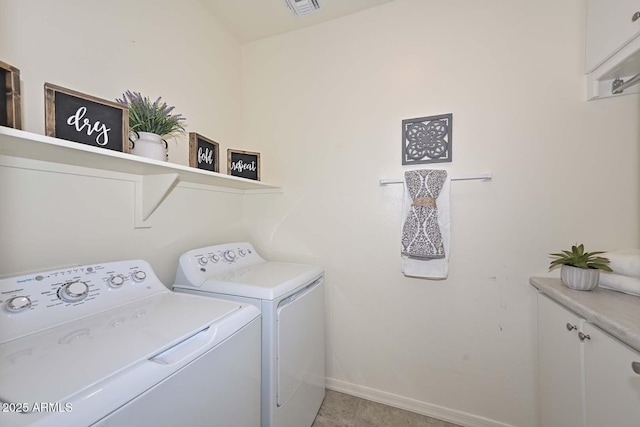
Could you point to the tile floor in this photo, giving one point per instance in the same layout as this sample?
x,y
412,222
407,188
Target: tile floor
x,y
343,410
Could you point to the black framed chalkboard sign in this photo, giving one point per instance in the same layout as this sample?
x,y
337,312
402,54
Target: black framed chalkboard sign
x,y
245,164
83,118
10,110
203,153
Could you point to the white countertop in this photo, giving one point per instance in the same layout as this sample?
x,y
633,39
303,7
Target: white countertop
x,y
614,312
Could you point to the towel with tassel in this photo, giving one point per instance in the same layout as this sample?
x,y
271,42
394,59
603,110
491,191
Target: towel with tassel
x,y
425,232
617,282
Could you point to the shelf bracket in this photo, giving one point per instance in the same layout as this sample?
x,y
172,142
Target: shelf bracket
x,y
150,191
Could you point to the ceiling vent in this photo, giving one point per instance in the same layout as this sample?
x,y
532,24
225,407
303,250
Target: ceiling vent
x,y
303,7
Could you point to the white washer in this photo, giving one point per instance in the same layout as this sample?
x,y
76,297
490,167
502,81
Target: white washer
x,y
291,298
109,345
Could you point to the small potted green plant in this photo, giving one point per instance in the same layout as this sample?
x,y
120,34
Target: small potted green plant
x,y
579,269
151,122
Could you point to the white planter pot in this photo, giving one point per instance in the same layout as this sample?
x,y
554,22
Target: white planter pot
x,y
151,146
582,279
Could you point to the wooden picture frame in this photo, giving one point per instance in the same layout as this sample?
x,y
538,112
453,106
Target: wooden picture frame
x,y
85,119
204,153
244,164
10,103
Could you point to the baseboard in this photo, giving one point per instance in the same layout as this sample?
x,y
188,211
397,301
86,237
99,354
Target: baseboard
x,y
401,402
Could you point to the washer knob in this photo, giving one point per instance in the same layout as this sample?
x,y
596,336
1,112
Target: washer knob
x,y
139,276
229,255
242,252
73,291
116,281
203,260
18,304
215,258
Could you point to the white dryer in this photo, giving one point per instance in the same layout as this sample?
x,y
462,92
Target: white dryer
x,y
109,345
291,298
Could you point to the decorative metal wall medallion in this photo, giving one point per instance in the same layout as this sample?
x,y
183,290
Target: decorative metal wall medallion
x,y
427,139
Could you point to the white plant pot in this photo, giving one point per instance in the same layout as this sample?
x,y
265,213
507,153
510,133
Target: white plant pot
x,y
581,279
151,146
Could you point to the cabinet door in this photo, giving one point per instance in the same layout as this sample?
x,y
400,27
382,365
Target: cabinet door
x,y
560,372
609,28
612,387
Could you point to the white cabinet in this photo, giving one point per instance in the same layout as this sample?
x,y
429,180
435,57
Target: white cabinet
x,y
612,47
560,372
613,388
586,377
610,26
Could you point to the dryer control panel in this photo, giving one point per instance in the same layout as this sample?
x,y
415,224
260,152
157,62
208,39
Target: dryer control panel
x,y
33,302
198,265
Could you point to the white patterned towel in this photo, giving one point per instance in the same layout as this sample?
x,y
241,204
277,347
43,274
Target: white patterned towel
x,y
425,232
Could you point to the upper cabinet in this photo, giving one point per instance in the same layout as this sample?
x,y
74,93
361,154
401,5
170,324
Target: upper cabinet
x,y
611,24
612,46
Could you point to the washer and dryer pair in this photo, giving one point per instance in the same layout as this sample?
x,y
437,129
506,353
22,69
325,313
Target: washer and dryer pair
x,y
291,300
108,345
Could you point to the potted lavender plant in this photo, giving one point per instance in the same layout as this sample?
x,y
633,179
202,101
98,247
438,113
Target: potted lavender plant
x,y
151,122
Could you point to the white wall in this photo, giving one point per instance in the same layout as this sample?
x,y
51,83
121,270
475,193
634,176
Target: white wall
x,y
176,50
325,106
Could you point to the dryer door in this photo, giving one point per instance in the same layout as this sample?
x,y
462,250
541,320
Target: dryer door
x,y
300,359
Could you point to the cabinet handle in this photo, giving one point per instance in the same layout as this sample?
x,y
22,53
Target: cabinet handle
x,y
636,367
583,336
571,327
635,17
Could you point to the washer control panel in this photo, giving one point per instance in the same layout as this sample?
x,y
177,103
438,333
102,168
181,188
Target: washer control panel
x,y
200,264
33,302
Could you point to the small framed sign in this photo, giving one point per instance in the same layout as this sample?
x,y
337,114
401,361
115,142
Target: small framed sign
x,y
10,110
82,118
203,153
245,164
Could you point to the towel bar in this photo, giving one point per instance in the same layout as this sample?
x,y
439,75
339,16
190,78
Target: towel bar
x,y
482,176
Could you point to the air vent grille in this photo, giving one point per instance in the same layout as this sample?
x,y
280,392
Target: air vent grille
x,y
303,7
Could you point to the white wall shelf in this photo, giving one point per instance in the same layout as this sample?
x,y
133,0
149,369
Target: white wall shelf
x,y
153,179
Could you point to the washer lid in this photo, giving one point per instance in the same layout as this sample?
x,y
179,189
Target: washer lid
x,y
57,363
266,280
